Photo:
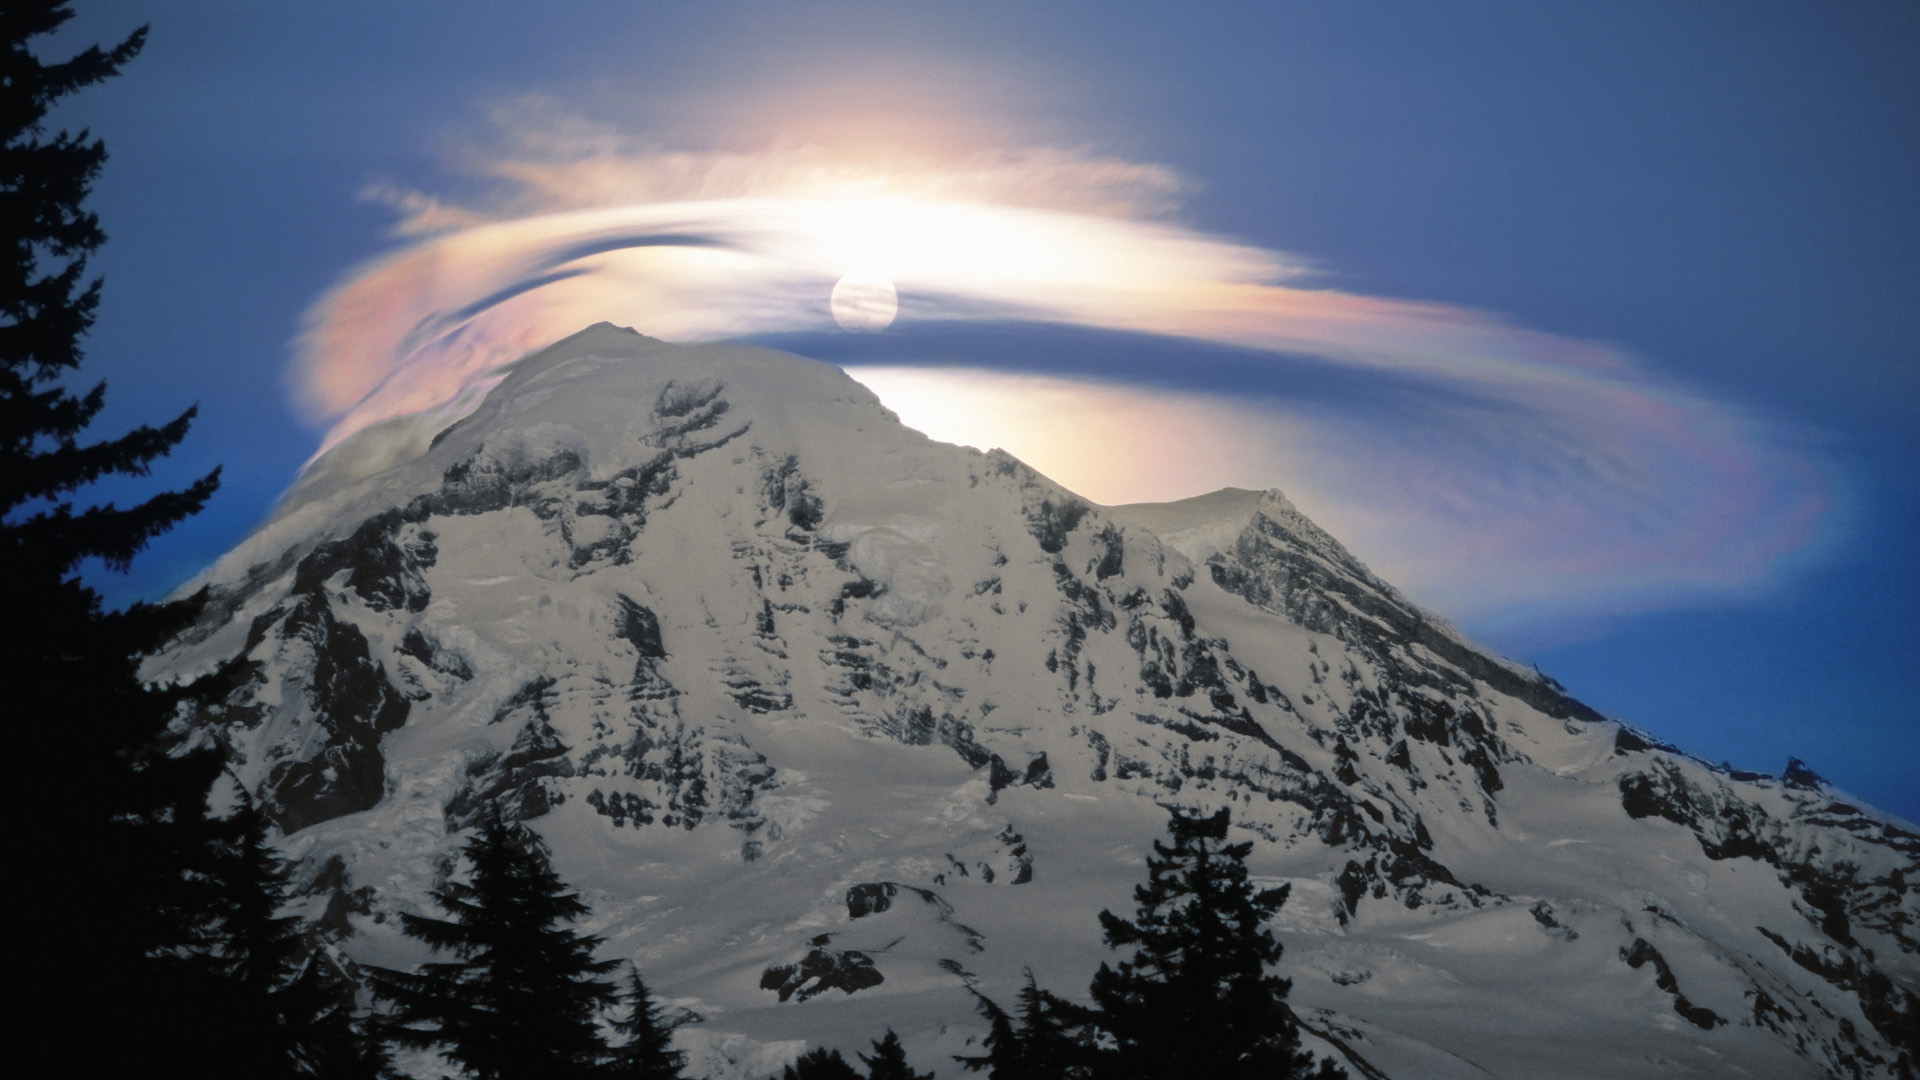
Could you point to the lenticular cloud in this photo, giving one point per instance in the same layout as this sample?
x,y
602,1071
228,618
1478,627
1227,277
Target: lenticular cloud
x,y
1531,475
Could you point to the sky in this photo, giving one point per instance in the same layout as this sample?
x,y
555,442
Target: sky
x,y
1590,325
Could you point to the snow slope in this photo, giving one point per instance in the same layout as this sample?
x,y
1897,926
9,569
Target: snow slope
x,y
831,722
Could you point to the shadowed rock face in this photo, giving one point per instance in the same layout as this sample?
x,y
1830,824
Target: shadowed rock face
x,y
821,970
805,702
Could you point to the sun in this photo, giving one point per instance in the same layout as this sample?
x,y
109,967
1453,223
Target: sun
x,y
864,301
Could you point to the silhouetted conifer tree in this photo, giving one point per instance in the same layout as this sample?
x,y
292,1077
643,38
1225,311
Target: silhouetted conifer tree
x,y
329,1042
120,825
288,1009
820,1063
257,948
647,1054
1051,1039
519,1002
1003,1060
1196,997
889,1061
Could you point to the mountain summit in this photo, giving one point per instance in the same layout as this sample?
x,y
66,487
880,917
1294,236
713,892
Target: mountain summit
x,y
832,723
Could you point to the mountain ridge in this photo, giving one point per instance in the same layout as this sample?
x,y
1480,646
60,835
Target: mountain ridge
x,y
682,607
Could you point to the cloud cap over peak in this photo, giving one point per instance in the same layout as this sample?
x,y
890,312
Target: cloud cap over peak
x,y
1506,475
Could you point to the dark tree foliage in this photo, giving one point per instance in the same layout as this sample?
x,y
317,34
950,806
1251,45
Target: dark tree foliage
x,y
1003,1060
1196,997
820,1063
889,1061
329,1042
288,1008
1051,1039
256,948
120,825
647,1054
519,1001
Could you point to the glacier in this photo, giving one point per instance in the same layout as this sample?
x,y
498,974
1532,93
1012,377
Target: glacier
x,y
832,723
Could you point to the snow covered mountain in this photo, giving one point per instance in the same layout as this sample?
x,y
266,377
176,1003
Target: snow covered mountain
x,y
830,721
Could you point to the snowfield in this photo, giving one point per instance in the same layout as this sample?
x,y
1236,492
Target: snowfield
x,y
830,722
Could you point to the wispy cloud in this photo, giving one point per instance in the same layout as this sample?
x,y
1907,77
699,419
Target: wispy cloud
x,y
1530,474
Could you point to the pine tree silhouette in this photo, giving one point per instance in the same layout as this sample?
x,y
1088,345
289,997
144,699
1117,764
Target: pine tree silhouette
x,y
820,1063
889,1061
1051,1040
519,1002
1196,997
1003,1059
288,1009
329,1043
647,1053
121,826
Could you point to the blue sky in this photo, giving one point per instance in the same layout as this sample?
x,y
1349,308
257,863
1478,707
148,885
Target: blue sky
x,y
1669,453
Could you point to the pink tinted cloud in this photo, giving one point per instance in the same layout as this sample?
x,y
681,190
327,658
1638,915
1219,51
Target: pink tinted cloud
x,y
1544,475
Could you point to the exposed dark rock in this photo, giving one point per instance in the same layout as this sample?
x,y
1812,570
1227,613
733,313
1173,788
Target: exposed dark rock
x,y
1113,553
445,661
639,627
1016,846
1627,740
1103,752
486,482
1798,775
343,900
383,566
678,400
349,696
1051,521
1270,566
531,697
784,489
516,784
872,898
1642,953
1353,885
820,970
1643,796
1543,914
758,699
1037,774
622,807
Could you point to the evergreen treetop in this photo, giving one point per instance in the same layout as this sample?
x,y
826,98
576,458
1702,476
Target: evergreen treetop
x,y
820,1063
520,999
46,306
889,1061
1195,997
123,825
286,1006
1051,1038
647,1054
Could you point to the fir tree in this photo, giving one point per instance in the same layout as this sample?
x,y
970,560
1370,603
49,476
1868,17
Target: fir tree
x,y
1196,997
258,948
123,826
519,1001
328,1041
289,1010
1052,1039
1056,1036
820,1063
1003,1060
889,1061
647,1053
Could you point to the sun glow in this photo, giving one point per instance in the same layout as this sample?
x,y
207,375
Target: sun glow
x,y
1587,475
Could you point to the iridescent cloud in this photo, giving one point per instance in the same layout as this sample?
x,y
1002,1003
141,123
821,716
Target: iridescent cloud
x,y
1526,475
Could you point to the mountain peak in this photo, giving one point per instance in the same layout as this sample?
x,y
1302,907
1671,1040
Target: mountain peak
x,y
835,725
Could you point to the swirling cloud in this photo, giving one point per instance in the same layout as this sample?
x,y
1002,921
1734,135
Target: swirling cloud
x,y
1503,474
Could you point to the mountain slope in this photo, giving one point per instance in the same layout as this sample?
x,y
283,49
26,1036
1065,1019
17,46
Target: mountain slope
x,y
831,721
